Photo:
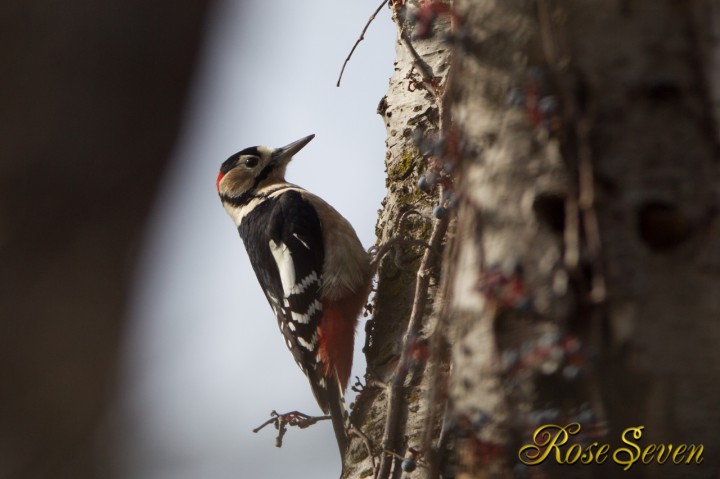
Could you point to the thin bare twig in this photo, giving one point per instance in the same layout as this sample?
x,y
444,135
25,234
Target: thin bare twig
x,y
368,447
584,205
437,379
413,453
394,400
586,202
294,418
361,38
370,382
425,69
546,33
382,250
404,216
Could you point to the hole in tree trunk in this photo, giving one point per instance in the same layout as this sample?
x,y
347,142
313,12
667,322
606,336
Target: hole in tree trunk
x,y
662,226
550,210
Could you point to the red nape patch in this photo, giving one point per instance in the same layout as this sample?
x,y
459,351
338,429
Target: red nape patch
x,y
219,178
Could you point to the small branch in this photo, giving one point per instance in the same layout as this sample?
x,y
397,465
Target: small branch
x,y
586,202
546,33
294,418
421,64
422,284
404,216
368,447
361,38
556,55
380,251
413,455
266,423
436,395
393,454
571,235
370,382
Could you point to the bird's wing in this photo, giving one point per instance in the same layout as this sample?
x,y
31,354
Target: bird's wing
x,y
292,241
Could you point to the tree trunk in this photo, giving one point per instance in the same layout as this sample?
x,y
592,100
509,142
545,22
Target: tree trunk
x,y
578,140
403,315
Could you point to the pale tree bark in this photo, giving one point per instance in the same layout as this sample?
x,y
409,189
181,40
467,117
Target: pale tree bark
x,y
579,282
392,411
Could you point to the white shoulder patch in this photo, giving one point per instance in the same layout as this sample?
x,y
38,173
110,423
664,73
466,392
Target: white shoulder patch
x,y
286,267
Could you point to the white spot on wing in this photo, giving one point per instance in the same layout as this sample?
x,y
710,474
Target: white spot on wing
x,y
304,283
309,345
305,318
300,318
300,240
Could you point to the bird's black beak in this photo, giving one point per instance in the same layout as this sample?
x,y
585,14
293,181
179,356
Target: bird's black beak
x,y
287,151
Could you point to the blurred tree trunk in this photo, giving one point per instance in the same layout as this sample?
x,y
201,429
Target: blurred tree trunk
x,y
92,96
580,279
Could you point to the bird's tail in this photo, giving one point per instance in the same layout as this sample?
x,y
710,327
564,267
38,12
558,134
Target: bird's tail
x,y
340,418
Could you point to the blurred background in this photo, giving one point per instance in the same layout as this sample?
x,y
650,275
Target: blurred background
x,y
134,339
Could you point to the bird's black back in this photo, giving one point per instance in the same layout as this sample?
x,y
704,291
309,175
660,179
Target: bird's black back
x,y
291,220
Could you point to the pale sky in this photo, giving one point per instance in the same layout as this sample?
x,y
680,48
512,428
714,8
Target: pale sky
x,y
205,362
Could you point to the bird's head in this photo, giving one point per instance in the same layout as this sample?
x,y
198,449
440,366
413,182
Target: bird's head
x,y
255,167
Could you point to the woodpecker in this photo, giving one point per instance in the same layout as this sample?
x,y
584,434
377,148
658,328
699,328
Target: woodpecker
x,y
310,264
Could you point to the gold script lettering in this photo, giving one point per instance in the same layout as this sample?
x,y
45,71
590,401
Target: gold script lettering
x,y
692,448
630,458
547,438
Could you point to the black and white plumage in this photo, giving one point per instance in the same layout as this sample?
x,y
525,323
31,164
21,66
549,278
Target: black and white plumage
x,y
310,264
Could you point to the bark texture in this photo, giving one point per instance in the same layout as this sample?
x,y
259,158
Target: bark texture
x,y
92,94
579,281
598,178
411,111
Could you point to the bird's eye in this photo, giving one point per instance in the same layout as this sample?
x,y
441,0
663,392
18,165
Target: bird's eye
x,y
252,161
